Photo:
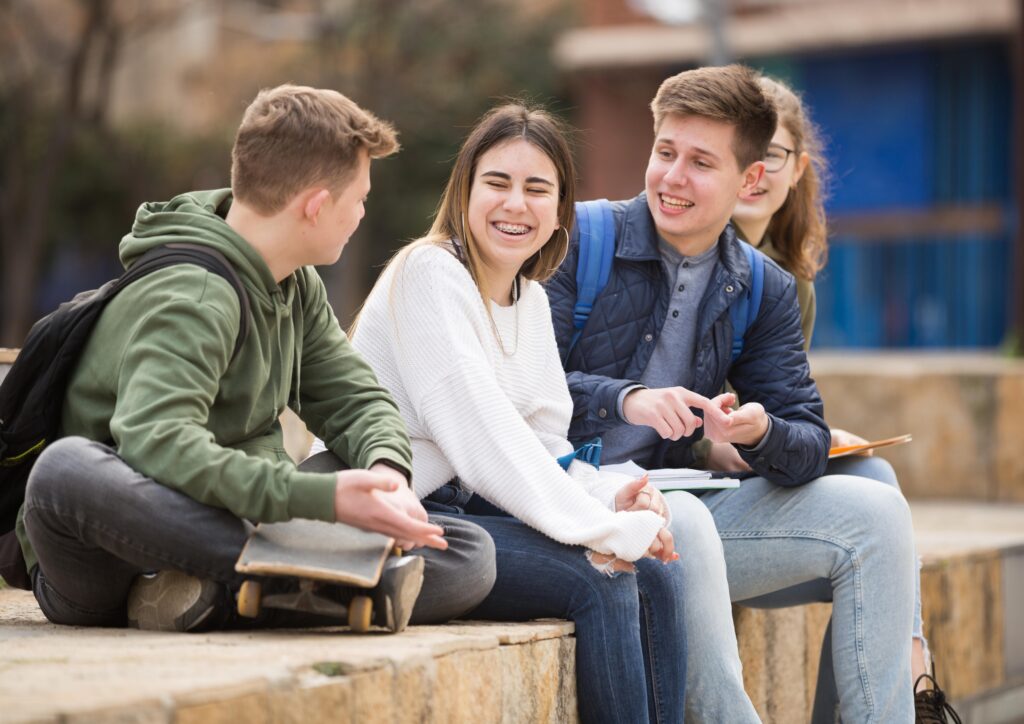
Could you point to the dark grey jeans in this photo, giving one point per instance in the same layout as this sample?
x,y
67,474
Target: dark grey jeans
x,y
95,524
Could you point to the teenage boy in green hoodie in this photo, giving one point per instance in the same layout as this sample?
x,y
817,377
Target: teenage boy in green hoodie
x,y
172,447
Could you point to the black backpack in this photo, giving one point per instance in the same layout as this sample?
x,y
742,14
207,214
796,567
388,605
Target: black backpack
x,y
32,393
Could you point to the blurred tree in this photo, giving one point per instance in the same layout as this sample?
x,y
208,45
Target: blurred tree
x,y
55,87
69,180
431,67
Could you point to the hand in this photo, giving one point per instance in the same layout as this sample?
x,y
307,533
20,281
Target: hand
x,y
842,438
641,495
724,457
403,499
745,426
379,502
663,547
667,410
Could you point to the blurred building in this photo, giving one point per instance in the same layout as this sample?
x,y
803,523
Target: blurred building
x,y
916,102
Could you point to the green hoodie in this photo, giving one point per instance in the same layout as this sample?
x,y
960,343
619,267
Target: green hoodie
x,y
156,376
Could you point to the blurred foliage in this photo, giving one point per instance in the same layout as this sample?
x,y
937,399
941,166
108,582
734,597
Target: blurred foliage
x,y
432,68
107,175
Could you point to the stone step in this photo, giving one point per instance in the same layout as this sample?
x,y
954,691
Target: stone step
x,y
973,565
963,409
477,672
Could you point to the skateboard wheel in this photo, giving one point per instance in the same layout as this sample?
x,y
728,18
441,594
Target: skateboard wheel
x,y
249,599
360,612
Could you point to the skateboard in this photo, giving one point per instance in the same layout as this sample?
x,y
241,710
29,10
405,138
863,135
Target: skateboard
x,y
322,556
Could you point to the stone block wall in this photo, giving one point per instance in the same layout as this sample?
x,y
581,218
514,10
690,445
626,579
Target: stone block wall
x,y
965,411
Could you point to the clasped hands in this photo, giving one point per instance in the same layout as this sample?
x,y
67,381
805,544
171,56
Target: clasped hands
x,y
668,411
379,499
636,495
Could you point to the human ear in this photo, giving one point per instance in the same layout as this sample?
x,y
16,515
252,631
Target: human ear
x,y
801,165
314,204
752,177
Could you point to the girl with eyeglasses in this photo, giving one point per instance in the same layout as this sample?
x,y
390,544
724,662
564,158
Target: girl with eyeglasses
x,y
784,217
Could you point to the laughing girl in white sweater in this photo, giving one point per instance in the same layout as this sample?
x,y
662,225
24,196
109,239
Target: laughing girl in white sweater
x,y
459,329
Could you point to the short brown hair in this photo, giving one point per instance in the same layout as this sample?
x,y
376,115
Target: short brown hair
x,y
293,137
730,94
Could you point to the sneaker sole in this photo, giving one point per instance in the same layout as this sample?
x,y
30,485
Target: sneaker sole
x,y
402,580
170,601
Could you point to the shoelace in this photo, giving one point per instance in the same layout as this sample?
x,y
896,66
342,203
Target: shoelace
x,y
931,706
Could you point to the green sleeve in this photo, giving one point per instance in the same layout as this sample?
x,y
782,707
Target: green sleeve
x,y
170,372
340,399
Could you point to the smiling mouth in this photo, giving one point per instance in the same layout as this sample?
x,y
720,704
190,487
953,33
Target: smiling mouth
x,y
511,229
675,203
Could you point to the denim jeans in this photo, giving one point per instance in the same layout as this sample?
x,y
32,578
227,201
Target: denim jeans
x,y
838,538
95,524
826,698
630,629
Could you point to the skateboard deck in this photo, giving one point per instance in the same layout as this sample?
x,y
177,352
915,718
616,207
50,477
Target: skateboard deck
x,y
313,549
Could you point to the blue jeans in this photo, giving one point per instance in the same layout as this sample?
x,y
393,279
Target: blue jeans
x,y
826,697
95,524
839,538
630,629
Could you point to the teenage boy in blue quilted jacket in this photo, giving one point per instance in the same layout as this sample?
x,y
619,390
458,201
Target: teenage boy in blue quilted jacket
x,y
646,372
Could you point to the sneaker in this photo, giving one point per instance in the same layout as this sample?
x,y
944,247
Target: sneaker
x,y
175,601
396,594
931,706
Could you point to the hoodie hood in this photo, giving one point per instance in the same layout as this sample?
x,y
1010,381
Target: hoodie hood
x,y
198,217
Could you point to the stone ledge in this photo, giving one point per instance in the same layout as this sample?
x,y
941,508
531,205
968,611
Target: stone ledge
x,y
466,672
474,672
963,409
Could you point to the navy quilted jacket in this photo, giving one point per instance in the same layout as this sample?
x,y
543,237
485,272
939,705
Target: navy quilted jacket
x,y
623,328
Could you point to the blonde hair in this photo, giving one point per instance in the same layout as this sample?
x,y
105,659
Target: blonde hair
x,y
293,137
729,94
799,229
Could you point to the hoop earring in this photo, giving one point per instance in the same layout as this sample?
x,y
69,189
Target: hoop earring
x,y
568,241
565,252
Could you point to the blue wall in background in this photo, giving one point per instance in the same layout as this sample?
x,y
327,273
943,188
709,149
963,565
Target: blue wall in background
x,y
911,130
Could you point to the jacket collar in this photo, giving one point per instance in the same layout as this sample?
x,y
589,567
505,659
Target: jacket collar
x,y
640,241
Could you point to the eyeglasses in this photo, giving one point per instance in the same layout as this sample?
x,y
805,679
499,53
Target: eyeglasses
x,y
776,158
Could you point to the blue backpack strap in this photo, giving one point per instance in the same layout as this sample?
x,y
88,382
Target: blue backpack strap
x,y
744,311
596,226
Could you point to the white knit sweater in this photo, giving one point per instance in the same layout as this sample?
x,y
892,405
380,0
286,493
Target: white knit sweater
x,y
496,419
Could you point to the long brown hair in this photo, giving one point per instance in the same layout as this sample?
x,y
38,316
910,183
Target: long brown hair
x,y
505,123
798,230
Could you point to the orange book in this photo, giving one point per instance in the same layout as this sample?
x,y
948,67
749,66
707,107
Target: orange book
x,y
838,452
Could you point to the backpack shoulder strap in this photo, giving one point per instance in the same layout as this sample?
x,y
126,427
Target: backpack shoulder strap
x,y
203,256
596,225
745,310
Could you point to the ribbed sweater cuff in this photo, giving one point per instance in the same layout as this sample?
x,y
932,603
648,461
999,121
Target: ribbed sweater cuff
x,y
632,539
